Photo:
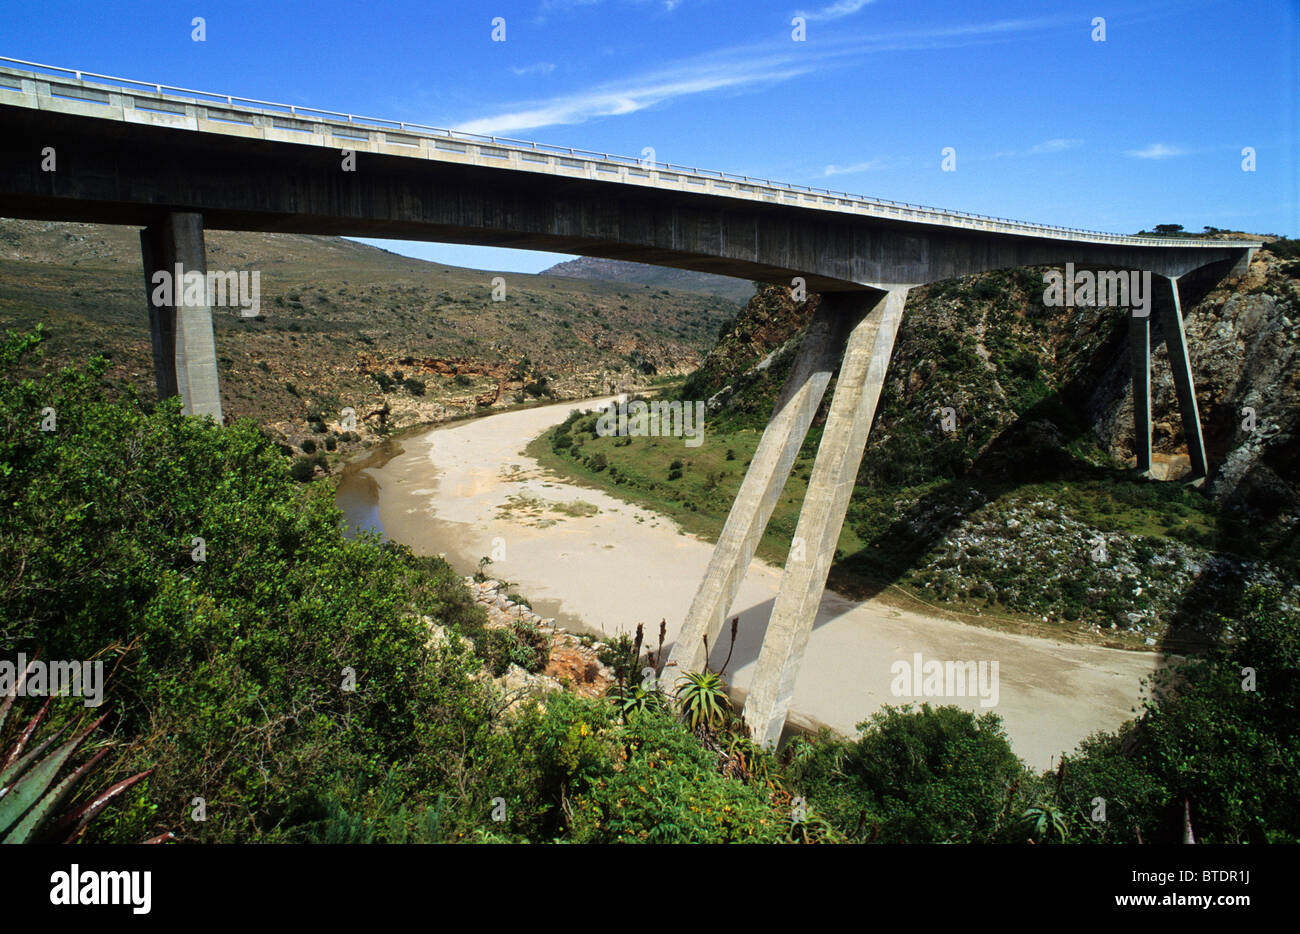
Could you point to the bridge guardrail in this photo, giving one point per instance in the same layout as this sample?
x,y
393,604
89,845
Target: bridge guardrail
x,y
897,208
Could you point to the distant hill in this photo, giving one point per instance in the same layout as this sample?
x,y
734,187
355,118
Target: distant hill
x,y
340,318
653,277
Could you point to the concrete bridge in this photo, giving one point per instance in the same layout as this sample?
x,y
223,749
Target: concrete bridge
x,y
174,161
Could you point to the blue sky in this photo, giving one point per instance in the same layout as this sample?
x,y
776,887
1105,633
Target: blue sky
x,y
1048,125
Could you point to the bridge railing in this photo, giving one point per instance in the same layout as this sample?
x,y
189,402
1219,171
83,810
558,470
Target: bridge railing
x,y
897,208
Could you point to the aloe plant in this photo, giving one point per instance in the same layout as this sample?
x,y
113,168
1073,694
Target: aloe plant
x,y
1045,822
702,699
32,794
638,699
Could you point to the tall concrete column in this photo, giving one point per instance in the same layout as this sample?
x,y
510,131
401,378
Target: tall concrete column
x,y
1171,325
1139,353
184,351
162,317
853,407
761,489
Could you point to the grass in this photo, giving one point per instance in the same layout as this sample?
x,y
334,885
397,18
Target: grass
x,y
877,557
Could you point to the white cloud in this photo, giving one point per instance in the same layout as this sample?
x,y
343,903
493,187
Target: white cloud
x,y
840,8
1055,145
869,166
1157,151
541,68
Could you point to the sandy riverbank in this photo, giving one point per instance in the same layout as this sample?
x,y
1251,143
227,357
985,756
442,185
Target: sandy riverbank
x,y
465,489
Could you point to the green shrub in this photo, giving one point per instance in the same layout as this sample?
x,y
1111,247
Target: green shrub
x,y
522,644
302,469
1205,740
1284,248
669,790
228,674
928,775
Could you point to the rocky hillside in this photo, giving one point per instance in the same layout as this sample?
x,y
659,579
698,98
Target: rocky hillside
x,y
1028,505
658,277
345,324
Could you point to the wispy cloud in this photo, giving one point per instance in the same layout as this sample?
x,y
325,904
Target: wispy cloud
x,y
739,68
566,6
1156,151
629,96
869,166
563,6
1055,145
1059,144
541,68
837,10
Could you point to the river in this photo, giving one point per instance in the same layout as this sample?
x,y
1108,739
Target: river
x,y
597,564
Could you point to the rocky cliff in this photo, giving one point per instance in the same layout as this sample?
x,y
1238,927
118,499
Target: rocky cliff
x,y
1025,500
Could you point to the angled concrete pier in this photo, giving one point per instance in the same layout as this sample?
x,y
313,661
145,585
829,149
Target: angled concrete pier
x,y
817,357
853,407
184,351
1139,351
1171,326
1170,317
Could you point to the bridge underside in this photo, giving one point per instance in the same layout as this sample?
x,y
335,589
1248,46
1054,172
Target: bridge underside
x,y
175,182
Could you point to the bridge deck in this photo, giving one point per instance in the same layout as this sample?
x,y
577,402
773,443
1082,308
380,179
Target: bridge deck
x,y
64,91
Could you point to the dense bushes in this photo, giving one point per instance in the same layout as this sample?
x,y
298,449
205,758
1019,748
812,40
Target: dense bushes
x,y
229,674
925,776
1221,738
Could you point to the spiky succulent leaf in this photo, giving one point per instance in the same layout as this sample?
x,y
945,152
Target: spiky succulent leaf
x,y
13,752
42,810
12,772
36,780
74,823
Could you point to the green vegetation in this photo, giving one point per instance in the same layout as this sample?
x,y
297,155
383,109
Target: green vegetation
x,y
918,776
291,681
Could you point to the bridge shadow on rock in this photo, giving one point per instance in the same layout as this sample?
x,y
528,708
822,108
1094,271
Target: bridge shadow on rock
x,y
1251,522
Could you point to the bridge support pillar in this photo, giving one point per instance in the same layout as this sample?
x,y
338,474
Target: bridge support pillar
x,y
768,471
184,351
1171,326
1139,350
853,407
